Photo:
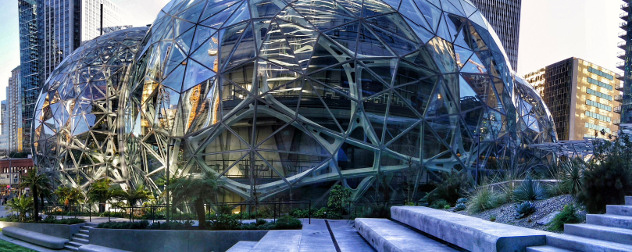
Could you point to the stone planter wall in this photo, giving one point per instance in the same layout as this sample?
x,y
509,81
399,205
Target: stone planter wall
x,y
171,240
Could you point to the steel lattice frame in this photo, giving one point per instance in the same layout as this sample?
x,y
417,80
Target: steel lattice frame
x,y
76,122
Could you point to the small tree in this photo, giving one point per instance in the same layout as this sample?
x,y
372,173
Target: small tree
x,y
68,196
38,183
338,198
196,190
132,196
21,205
100,192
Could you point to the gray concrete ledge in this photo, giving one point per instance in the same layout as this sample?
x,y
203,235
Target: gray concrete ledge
x,y
40,239
468,232
57,230
97,248
171,240
388,236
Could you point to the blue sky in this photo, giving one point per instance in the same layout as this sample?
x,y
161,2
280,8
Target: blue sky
x,y
551,30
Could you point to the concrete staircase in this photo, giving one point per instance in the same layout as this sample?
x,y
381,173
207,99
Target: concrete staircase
x,y
611,231
319,236
79,239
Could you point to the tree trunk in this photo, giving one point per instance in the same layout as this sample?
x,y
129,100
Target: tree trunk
x,y
201,214
101,207
35,203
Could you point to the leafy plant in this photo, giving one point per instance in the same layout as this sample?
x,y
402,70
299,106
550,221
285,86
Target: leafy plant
x,y
608,177
196,190
132,196
524,209
438,204
225,222
21,205
68,221
452,187
338,198
125,225
567,215
68,195
288,222
484,199
492,218
101,191
529,190
39,184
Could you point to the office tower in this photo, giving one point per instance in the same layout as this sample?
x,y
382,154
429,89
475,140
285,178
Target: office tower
x,y
504,16
4,137
581,96
49,31
30,41
14,112
626,65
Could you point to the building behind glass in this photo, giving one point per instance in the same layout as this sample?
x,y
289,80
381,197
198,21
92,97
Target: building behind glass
x,y
504,16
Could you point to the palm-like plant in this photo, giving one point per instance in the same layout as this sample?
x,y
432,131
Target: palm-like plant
x,y
100,192
21,205
132,196
196,190
68,195
38,184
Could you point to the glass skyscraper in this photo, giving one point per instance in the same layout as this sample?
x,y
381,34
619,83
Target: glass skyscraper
x,y
626,65
504,16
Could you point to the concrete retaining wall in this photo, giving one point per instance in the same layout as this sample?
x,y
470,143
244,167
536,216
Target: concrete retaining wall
x,y
57,230
171,240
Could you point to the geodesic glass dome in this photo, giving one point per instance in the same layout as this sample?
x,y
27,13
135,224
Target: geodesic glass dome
x,y
287,98
75,124
535,122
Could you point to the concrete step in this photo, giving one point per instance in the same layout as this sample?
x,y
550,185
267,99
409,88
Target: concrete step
x,y
546,249
87,227
609,220
242,246
80,240
84,231
387,235
466,231
315,237
605,233
75,244
619,210
628,200
347,237
279,241
82,235
582,244
71,248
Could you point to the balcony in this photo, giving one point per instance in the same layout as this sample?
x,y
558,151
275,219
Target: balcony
x,y
623,34
623,25
624,16
617,109
618,98
616,122
621,45
621,55
625,7
621,65
620,87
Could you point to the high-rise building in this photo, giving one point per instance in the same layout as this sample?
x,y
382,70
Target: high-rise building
x,y
4,137
504,16
50,30
14,112
581,96
626,65
30,60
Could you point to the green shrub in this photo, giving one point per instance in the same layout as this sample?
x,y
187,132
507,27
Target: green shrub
x,y
524,209
608,178
529,190
338,200
125,225
461,201
484,199
321,213
225,222
69,221
288,222
439,204
567,215
452,187
492,218
172,225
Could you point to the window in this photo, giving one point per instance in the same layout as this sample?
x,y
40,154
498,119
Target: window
x,y
598,94
600,73
599,83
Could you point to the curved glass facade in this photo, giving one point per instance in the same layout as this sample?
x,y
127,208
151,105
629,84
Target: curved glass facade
x,y
286,99
75,124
